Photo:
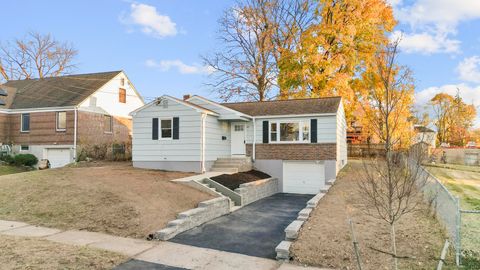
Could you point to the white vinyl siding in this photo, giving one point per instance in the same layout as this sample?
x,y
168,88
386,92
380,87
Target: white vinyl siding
x,y
341,138
106,99
214,145
186,148
326,128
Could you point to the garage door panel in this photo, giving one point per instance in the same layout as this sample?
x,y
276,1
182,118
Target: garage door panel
x,y
58,157
303,177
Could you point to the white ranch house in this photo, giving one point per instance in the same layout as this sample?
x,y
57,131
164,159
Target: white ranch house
x,y
301,142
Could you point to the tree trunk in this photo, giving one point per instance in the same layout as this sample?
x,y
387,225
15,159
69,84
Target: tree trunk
x,y
394,246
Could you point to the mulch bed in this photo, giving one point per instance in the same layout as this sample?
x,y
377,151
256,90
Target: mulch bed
x,y
233,181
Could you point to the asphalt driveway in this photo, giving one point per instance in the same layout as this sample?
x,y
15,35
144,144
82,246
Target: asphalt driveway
x,y
253,230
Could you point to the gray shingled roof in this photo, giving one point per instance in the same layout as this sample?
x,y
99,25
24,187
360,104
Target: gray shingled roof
x,y
287,107
55,91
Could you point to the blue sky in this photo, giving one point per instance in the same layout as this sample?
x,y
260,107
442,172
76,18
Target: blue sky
x,y
159,43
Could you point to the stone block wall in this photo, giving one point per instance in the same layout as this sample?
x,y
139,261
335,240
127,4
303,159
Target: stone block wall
x,y
257,190
205,211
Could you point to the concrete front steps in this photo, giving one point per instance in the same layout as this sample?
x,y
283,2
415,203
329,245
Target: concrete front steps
x,y
232,164
235,198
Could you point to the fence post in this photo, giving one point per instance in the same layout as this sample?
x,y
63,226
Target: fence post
x,y
459,235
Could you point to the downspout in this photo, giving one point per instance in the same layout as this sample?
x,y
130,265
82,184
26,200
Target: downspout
x,y
202,154
254,138
75,127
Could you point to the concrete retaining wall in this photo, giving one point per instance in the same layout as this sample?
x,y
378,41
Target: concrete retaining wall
x,y
257,190
205,211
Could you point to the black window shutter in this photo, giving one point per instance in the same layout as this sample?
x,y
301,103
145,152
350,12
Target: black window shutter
x,y
265,131
313,130
176,122
155,129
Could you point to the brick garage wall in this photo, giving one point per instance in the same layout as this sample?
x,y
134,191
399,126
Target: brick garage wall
x,y
95,141
294,151
42,129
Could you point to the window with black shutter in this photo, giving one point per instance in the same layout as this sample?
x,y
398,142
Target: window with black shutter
x,y
155,129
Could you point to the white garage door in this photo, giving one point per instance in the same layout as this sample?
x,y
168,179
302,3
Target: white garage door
x,y
303,177
58,157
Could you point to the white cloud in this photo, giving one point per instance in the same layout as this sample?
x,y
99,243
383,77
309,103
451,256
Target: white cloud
x,y
167,65
150,21
426,43
443,14
433,23
470,95
469,69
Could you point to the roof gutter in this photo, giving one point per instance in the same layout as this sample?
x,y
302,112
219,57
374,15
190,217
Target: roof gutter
x,y
32,110
294,115
75,128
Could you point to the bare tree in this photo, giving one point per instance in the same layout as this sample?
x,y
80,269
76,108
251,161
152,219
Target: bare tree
x,y
36,56
391,185
253,35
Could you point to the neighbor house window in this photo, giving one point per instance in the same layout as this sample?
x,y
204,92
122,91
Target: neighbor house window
x,y
25,122
122,95
166,128
122,81
24,148
108,123
290,131
61,121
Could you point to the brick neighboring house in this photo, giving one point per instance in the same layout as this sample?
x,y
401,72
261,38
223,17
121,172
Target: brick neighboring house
x,y
58,118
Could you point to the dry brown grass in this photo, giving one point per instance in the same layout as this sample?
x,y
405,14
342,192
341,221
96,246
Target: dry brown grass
x,y
325,240
113,198
33,253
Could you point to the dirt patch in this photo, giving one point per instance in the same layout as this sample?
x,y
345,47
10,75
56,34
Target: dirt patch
x,y
233,181
114,198
325,240
33,253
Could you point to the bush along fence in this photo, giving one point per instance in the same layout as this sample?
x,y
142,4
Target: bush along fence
x,y
462,226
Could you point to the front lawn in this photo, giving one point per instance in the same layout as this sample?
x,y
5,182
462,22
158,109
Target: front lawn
x,y
113,198
34,253
325,239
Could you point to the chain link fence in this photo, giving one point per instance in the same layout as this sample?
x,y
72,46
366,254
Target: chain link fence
x,y
462,226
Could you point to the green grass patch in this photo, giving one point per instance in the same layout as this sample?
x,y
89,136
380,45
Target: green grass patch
x,y
7,169
473,202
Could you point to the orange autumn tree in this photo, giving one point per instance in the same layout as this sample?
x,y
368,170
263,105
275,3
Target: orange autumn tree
x,y
389,100
453,118
333,53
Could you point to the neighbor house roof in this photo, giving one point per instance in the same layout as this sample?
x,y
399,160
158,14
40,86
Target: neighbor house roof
x,y
59,91
287,107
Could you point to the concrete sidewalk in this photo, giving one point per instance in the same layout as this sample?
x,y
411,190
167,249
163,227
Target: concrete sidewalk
x,y
164,254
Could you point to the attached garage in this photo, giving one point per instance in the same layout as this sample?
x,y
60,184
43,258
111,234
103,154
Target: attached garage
x,y
58,157
304,177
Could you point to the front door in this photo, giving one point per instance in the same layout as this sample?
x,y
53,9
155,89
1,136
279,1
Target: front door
x,y
238,138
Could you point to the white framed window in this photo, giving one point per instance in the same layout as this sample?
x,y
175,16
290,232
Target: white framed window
x,y
290,131
61,121
108,123
24,148
25,122
166,128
